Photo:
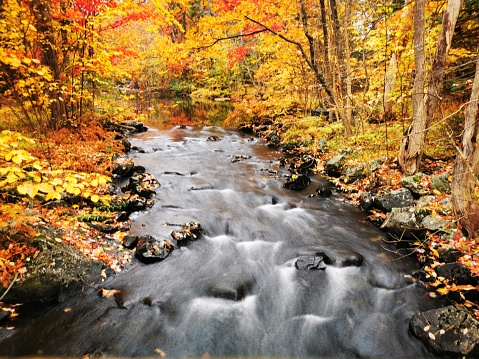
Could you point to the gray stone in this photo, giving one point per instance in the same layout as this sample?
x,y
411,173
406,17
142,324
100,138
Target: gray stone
x,y
413,183
351,174
334,165
394,199
436,224
451,331
404,224
297,182
441,183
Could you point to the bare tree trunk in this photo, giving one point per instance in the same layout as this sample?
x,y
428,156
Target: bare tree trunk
x,y
341,97
389,86
391,73
324,26
465,177
412,146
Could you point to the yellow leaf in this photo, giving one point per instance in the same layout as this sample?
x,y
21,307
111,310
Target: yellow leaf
x,y
70,189
95,198
22,189
53,195
56,181
94,183
102,180
76,191
17,159
37,178
442,291
45,188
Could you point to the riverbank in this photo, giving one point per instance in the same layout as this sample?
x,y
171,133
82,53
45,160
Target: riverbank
x,y
64,215
98,234
417,215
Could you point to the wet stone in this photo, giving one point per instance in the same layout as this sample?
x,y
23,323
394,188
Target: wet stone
x,y
122,165
142,184
297,182
304,164
324,190
451,331
130,241
191,231
457,273
366,201
310,262
150,249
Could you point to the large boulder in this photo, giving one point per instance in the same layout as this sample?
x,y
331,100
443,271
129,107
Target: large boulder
x,y
451,331
405,223
56,272
394,199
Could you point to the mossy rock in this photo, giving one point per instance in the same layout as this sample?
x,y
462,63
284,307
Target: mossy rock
x,y
57,272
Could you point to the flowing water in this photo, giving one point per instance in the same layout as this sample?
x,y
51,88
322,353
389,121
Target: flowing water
x,y
236,292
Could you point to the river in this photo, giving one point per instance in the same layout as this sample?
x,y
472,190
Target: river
x,y
236,292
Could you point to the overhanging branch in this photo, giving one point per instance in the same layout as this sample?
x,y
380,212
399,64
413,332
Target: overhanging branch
x,y
311,65
232,37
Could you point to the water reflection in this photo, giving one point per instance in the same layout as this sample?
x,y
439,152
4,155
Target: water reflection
x,y
164,113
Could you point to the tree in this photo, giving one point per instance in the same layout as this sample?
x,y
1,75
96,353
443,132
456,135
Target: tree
x,y
424,104
465,184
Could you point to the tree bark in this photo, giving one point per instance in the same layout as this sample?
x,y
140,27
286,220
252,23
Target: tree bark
x,y
412,146
465,177
44,26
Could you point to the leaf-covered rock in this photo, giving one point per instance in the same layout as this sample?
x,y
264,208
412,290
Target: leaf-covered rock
x,y
56,272
452,331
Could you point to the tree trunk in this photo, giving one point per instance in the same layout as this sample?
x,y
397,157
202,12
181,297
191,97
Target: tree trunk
x,y
465,177
341,93
412,146
324,26
44,26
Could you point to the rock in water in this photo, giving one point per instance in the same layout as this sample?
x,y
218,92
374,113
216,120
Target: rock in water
x,y
191,231
297,182
447,331
149,249
311,262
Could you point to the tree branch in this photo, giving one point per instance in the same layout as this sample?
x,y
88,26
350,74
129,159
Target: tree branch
x,y
312,66
232,37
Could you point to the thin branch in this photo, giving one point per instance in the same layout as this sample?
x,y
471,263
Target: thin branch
x,y
231,37
312,66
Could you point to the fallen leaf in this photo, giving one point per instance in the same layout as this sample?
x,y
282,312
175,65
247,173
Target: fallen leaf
x,y
105,293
